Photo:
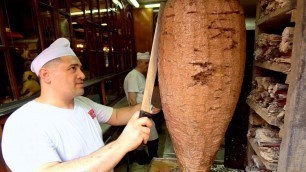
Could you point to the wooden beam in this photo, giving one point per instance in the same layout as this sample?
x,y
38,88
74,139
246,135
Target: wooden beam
x,y
293,147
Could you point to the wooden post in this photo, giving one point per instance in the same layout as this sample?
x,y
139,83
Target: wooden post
x,y
103,93
8,60
3,166
293,147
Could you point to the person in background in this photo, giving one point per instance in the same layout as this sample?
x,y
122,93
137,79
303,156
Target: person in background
x,y
134,85
59,130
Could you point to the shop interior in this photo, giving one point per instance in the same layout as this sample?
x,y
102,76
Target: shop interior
x,y
268,129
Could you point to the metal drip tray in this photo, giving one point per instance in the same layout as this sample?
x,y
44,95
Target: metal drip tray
x,y
164,165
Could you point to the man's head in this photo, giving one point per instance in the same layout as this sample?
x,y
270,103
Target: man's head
x,y
59,70
59,48
143,61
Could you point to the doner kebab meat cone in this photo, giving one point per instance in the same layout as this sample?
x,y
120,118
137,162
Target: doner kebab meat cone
x,y
201,68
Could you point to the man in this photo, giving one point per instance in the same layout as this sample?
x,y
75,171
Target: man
x,y
60,131
134,85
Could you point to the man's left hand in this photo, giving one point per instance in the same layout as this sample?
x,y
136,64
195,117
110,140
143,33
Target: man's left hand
x,y
154,110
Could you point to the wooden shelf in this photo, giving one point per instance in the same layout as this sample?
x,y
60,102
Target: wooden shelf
x,y
280,15
264,114
291,15
6,109
268,165
278,67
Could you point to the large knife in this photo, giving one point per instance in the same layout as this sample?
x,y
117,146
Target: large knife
x,y
145,110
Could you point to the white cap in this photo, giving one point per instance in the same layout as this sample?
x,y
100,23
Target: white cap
x,y
59,48
143,56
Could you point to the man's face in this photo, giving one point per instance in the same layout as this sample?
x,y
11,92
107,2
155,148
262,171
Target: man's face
x,y
67,77
144,65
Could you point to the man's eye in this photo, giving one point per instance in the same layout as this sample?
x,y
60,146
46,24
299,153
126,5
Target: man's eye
x,y
73,68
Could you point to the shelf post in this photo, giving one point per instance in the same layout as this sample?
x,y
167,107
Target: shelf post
x,y
293,149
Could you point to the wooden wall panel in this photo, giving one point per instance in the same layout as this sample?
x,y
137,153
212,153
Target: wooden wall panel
x,y
143,29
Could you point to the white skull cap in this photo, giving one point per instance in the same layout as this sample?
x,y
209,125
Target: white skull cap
x,y
143,56
59,48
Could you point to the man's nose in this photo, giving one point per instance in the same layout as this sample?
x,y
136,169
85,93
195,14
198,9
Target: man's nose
x,y
82,75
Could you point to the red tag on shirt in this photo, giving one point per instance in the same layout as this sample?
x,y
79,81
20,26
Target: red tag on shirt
x,y
92,113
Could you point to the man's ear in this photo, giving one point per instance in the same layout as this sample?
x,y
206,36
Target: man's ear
x,y
44,75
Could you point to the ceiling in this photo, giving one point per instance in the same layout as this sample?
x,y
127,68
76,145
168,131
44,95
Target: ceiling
x,y
249,7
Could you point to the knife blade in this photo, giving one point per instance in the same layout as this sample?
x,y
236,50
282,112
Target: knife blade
x,y
145,110
152,68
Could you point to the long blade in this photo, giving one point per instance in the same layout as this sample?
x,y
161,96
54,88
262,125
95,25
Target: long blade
x,y
152,68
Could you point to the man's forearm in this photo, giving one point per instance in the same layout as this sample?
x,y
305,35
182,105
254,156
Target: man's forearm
x,y
104,159
132,98
132,102
123,115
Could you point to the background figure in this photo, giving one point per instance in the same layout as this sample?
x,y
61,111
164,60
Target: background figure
x,y
30,84
134,85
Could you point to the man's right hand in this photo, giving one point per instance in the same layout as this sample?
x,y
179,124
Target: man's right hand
x,y
137,131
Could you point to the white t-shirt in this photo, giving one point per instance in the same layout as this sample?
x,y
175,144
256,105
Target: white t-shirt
x,y
136,82
39,133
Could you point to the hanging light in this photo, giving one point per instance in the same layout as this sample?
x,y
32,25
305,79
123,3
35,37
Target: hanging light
x,y
152,6
118,3
93,11
134,3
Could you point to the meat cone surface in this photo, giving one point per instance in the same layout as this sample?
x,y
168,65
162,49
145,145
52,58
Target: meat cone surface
x,y
201,66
